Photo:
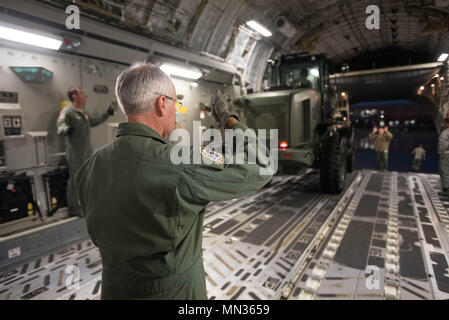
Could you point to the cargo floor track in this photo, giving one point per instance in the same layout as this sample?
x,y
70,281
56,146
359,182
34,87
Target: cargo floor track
x,y
385,237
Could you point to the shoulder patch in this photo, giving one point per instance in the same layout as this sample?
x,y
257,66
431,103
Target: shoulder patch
x,y
62,116
213,156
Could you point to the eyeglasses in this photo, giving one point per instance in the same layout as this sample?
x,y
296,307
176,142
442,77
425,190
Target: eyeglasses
x,y
178,103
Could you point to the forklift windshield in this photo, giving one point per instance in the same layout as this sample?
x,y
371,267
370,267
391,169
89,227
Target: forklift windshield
x,y
295,72
300,76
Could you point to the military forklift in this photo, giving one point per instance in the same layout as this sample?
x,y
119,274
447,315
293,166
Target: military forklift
x,y
314,128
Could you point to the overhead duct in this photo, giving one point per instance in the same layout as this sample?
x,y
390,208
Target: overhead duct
x,y
285,27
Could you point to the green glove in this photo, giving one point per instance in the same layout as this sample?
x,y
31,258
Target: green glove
x,y
220,110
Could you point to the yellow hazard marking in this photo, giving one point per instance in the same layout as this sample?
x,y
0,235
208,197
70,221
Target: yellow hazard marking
x,y
183,110
61,274
54,202
235,259
232,290
287,240
64,104
211,280
224,262
216,269
30,209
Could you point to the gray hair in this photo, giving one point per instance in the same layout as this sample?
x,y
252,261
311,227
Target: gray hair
x,y
139,86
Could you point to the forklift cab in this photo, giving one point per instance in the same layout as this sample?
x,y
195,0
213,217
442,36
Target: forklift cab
x,y
302,71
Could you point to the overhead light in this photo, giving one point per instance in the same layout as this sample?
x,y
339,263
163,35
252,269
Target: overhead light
x,y
432,85
421,88
442,78
181,72
259,28
315,72
283,145
443,57
29,38
343,94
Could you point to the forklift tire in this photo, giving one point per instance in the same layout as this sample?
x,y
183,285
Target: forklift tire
x,y
350,166
333,166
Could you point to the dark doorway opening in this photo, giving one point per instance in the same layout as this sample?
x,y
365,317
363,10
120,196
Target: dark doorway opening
x,y
411,124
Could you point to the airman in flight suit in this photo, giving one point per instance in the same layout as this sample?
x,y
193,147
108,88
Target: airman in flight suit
x,y
146,213
381,138
74,124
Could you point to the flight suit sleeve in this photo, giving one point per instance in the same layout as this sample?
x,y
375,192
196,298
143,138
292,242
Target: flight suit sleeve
x,y
219,182
63,124
372,136
389,136
97,120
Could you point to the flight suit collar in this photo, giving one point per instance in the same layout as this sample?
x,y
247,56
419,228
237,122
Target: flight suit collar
x,y
71,106
138,129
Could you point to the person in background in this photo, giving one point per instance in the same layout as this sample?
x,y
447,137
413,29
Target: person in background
x,y
443,152
74,124
420,154
304,81
381,138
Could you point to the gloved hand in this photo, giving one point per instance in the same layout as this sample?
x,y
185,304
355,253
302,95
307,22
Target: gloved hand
x,y
70,131
112,108
220,110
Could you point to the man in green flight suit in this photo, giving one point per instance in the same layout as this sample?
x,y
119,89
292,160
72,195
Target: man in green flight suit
x,y
146,213
381,138
74,124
